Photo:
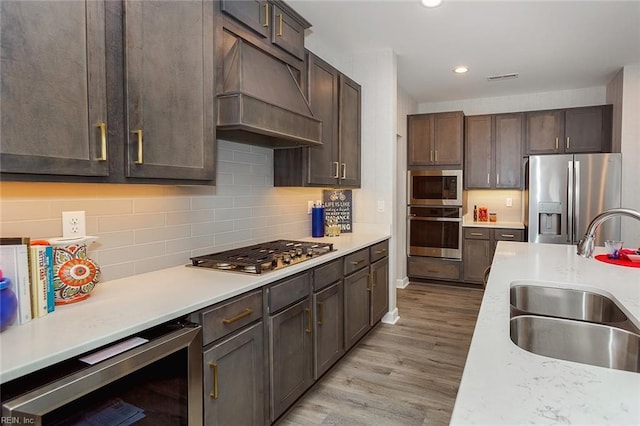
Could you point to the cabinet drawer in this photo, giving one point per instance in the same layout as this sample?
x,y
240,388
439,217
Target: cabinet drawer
x,y
327,274
427,267
356,261
288,291
378,251
477,233
508,234
229,316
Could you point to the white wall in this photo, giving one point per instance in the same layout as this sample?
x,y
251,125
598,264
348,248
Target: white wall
x,y
630,148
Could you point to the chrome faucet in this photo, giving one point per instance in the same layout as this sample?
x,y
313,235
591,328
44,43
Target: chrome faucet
x,y
586,244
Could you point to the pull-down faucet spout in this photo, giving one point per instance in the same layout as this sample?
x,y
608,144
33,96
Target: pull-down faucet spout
x,y
586,244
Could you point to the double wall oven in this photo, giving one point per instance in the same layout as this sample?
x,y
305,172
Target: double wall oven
x,y
435,213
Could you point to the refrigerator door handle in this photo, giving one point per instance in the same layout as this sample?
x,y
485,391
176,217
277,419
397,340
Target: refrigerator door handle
x,y
576,214
570,193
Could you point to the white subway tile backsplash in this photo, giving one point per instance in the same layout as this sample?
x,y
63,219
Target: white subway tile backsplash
x,y
131,253
135,221
150,235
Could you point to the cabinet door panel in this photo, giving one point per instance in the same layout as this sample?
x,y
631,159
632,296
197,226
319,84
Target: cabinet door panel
x,y
379,290
328,327
323,100
238,366
53,87
287,33
584,130
290,346
419,137
477,256
349,132
508,151
544,133
170,96
478,152
252,13
356,307
447,138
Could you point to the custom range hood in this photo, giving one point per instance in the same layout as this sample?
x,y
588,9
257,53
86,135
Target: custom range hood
x,y
261,102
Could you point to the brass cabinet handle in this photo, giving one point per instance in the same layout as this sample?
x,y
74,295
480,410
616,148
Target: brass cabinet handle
x,y
369,284
337,173
344,171
139,133
488,177
266,15
476,234
320,313
214,392
507,235
375,280
103,141
279,25
436,156
241,315
431,155
381,251
556,143
498,179
357,262
308,311
568,142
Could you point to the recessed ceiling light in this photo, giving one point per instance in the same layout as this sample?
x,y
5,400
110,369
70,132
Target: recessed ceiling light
x,y
461,69
431,3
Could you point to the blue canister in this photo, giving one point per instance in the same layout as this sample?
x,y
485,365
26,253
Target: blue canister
x,y
317,221
8,303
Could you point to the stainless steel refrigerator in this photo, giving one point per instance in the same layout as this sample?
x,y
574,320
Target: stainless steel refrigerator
x,y
565,192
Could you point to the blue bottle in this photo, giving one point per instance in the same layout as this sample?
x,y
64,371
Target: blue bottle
x,y
8,303
317,221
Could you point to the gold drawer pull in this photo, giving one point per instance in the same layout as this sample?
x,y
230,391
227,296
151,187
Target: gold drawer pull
x,y
279,25
357,262
103,141
266,15
381,251
507,235
556,143
369,283
477,234
241,315
214,392
139,133
308,311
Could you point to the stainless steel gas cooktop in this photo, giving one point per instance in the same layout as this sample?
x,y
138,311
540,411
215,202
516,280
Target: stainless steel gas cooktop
x,y
263,257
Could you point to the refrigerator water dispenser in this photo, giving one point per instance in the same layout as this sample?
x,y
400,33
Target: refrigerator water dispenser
x,y
549,218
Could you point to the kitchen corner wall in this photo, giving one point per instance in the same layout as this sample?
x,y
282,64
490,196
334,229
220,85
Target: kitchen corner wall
x,y
143,228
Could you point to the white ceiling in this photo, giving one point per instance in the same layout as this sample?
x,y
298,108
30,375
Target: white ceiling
x,y
553,45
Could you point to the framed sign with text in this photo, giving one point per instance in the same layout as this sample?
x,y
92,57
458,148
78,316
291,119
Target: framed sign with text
x,y
338,205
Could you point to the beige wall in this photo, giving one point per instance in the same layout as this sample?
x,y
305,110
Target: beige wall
x,y
143,228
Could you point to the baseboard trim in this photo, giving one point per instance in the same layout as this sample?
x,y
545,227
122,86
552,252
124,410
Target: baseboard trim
x,y
402,282
391,317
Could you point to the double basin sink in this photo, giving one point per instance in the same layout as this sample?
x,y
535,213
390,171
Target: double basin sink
x,y
573,325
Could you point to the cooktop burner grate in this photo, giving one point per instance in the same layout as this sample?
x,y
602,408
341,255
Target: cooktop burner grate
x,y
262,257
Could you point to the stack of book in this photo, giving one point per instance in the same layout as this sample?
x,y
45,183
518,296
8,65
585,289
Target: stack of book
x,y
30,268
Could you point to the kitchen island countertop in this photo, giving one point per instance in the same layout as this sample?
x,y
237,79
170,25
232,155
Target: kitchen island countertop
x,y
124,307
503,384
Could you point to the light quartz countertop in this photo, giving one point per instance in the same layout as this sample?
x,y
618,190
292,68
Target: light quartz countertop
x,y
503,384
120,308
468,222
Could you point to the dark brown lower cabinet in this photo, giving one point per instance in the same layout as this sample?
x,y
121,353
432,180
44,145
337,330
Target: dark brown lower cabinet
x,y
234,372
356,307
328,327
379,290
290,348
479,246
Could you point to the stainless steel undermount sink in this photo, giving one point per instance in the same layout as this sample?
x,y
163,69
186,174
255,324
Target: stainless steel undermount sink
x,y
587,343
573,325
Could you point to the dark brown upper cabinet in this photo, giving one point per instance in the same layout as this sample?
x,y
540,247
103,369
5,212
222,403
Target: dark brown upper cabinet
x,y
573,130
273,21
335,99
87,97
435,139
493,151
170,97
54,103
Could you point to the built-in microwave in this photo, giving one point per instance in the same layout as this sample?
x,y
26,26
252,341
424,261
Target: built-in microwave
x,y
434,188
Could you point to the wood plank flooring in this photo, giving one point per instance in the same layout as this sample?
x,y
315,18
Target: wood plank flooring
x,y
403,374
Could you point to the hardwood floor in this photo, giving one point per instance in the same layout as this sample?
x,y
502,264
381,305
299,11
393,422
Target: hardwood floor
x,y
403,374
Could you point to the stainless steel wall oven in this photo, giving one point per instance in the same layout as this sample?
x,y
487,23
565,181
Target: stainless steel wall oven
x,y
158,382
435,231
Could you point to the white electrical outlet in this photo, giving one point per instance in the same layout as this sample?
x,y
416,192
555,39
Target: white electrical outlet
x,y
73,224
509,202
380,206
